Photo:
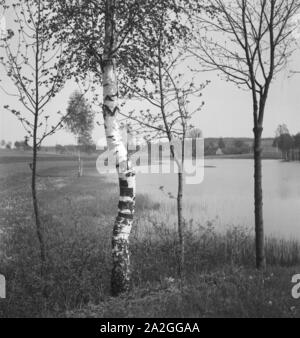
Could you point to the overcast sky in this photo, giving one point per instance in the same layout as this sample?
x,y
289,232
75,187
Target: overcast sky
x,y
227,110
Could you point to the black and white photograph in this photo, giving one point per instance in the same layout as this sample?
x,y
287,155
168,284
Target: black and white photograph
x,y
149,162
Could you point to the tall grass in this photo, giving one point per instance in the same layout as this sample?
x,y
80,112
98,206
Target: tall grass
x,y
78,269
77,216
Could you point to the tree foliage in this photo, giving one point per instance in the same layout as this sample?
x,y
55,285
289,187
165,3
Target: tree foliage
x,y
32,59
81,26
79,118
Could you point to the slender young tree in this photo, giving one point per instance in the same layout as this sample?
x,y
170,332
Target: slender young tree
x,y
32,61
169,93
80,122
110,38
249,42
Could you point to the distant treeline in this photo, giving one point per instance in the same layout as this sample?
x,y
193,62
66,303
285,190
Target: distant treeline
x,y
283,146
238,146
228,146
18,145
73,149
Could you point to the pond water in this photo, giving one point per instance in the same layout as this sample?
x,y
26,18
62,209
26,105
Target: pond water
x,y
225,196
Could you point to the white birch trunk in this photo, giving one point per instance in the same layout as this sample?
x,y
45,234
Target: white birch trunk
x,y
122,227
120,239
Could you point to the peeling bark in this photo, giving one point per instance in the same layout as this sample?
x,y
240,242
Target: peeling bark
x,y
121,231
122,227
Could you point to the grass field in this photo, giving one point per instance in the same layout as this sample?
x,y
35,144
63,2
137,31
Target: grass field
x,y
78,214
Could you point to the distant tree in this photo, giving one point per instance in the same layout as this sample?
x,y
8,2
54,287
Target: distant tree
x,y
282,129
194,133
8,145
2,143
18,145
285,143
80,122
221,143
60,149
22,145
26,145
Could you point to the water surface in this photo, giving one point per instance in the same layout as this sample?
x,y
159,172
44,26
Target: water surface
x,y
225,196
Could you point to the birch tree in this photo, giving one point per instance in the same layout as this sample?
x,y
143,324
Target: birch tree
x,y
110,38
249,42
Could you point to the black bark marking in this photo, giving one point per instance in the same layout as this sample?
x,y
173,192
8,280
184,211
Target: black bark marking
x,y
126,192
127,216
130,174
108,111
110,97
123,183
126,205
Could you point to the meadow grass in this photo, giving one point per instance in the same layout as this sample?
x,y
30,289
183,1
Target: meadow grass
x,y
78,214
